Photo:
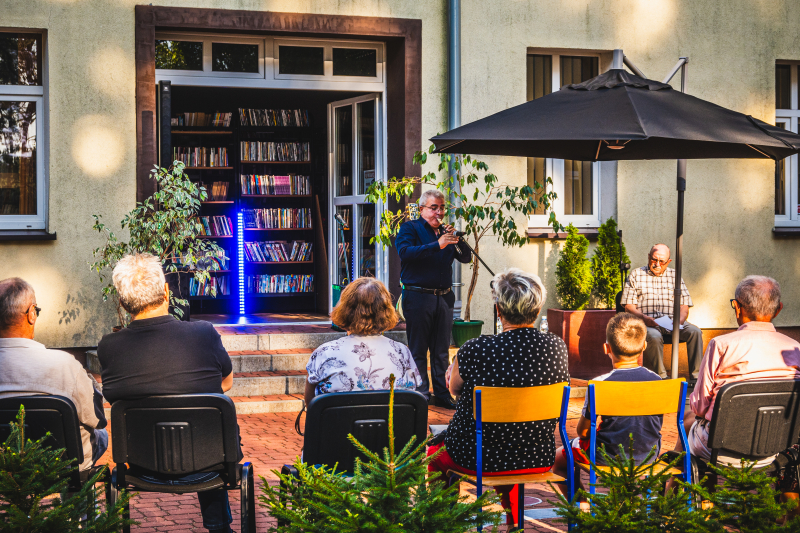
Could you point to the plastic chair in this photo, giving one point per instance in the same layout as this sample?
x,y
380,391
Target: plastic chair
x,y
503,405
167,437
613,398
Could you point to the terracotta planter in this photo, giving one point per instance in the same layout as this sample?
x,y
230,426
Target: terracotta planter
x,y
584,332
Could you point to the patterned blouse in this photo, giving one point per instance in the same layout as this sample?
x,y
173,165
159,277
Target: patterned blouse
x,y
521,357
357,363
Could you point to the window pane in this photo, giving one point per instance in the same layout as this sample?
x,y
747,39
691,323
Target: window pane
x,y
540,76
576,69
366,145
344,150
354,62
17,158
20,59
301,60
179,55
229,57
578,178
783,87
780,182
344,248
366,251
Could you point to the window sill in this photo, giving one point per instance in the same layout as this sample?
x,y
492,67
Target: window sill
x,y
786,231
547,233
12,235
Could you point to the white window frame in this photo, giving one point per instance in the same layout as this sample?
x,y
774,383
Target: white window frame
x,y
554,168
790,117
36,94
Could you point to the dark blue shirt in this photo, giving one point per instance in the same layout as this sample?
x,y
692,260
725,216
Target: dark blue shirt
x,y
422,262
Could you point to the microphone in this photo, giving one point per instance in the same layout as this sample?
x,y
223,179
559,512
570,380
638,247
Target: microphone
x,y
340,220
459,233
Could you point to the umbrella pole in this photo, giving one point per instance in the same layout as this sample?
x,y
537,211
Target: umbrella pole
x,y
676,308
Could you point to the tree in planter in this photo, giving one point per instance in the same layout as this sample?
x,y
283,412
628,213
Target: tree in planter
x,y
605,263
574,279
30,473
484,204
165,225
385,495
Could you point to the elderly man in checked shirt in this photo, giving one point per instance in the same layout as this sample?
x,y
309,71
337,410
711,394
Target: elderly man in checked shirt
x,y
648,294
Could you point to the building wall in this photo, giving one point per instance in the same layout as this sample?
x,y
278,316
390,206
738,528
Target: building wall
x,y
732,48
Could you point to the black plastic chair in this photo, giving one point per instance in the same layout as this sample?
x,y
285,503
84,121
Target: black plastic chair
x,y
56,415
162,438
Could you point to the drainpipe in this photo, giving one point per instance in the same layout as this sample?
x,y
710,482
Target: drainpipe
x,y
454,116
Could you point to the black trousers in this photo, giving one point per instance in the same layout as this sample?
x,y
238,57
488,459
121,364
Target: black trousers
x,y
429,320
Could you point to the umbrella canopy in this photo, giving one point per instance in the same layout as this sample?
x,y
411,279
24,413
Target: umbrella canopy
x,y
620,116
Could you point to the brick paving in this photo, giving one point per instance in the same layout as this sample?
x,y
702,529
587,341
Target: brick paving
x,y
269,441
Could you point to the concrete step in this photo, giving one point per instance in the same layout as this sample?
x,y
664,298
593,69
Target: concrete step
x,y
268,383
283,341
270,360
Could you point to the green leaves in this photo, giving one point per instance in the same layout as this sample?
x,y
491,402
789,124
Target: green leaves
x,y
605,264
574,280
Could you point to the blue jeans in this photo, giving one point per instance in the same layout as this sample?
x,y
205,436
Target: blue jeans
x,y
215,508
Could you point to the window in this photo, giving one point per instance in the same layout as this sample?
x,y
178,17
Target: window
x,y
576,183
179,55
787,113
302,60
22,183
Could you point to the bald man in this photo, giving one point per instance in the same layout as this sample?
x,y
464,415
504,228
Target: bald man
x,y
648,294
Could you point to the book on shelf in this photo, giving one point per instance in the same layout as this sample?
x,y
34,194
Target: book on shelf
x,y
211,258
195,156
279,283
344,249
367,225
274,117
218,191
277,218
278,251
217,120
274,185
213,286
216,226
275,151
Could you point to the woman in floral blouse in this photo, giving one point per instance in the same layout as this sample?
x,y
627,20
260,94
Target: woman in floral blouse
x,y
364,359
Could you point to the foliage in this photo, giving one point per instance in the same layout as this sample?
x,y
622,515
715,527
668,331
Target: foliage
x,y
573,272
30,473
386,495
165,225
605,263
483,204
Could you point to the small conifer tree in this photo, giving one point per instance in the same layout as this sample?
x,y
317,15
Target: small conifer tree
x,y
30,473
605,263
573,272
385,495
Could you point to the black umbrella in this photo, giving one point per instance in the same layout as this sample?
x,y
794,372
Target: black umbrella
x,y
620,116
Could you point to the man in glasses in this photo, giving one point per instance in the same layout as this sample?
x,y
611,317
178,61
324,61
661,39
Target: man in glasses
x,y
27,367
427,249
648,294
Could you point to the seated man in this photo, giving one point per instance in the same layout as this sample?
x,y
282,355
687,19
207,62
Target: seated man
x,y
27,367
754,351
625,341
160,355
649,294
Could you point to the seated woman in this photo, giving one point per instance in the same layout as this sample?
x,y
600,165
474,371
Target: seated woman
x,y
364,359
521,356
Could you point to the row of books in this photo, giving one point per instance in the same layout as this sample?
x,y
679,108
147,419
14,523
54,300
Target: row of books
x,y
218,191
274,117
200,157
278,251
277,218
217,120
279,284
216,226
367,225
275,151
213,286
291,184
223,262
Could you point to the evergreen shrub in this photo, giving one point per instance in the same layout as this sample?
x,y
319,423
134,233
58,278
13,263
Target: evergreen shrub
x,y
574,279
605,263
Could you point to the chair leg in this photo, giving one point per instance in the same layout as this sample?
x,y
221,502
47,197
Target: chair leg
x,y
521,506
286,470
112,495
248,499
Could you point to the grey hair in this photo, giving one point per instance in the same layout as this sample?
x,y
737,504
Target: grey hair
x,y
139,280
16,295
519,296
759,296
423,199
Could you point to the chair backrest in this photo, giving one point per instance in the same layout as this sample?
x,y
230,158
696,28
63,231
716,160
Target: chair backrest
x,y
175,434
43,414
365,415
754,419
519,404
636,398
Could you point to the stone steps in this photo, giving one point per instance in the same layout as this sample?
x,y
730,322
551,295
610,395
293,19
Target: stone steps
x,y
285,341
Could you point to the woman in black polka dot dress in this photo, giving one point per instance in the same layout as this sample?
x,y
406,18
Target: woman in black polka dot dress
x,y
521,356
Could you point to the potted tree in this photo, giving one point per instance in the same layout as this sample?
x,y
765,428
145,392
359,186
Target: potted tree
x,y
165,225
483,205
577,280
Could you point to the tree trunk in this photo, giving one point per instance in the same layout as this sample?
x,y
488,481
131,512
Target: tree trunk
x,y
472,284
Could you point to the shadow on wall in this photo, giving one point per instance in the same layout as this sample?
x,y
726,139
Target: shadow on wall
x,y
87,306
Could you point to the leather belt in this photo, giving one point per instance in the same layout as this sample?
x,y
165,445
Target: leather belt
x,y
437,292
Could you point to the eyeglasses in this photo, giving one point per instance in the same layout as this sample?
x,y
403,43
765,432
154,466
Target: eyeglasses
x,y
434,207
659,263
35,308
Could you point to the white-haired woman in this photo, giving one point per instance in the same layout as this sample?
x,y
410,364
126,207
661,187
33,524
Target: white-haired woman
x,y
521,356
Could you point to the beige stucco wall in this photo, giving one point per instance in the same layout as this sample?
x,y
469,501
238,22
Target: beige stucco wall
x,y
732,46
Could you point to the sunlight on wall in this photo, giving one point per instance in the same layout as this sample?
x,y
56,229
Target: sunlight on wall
x,y
111,69
97,146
